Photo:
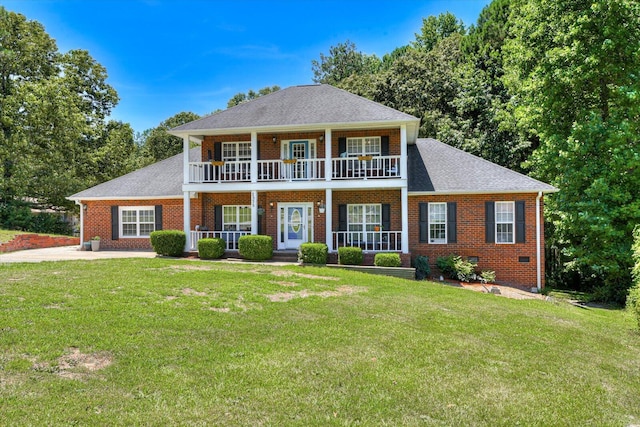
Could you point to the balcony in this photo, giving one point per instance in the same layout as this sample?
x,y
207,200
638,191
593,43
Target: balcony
x,y
343,168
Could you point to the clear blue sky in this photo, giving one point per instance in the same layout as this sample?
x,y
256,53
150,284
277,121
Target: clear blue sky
x,y
164,57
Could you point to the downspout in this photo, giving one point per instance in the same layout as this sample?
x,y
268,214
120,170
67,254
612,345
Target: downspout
x,y
81,223
538,248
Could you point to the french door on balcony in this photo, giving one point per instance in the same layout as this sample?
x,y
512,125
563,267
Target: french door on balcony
x,y
295,224
297,155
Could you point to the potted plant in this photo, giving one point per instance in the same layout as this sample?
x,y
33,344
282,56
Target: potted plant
x,y
95,243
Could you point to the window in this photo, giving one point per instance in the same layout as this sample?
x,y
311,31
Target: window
x,y
236,151
236,218
137,221
505,222
364,217
437,223
369,146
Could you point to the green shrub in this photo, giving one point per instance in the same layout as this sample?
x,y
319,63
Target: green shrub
x,y
313,253
447,265
255,247
387,260
421,264
456,268
168,242
633,298
211,248
349,255
488,276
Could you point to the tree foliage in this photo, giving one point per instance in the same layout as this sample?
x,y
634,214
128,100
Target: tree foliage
x,y
159,144
241,97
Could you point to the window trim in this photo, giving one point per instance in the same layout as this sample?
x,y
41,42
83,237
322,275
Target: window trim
x,y
236,158
137,209
363,223
362,140
237,222
445,223
512,222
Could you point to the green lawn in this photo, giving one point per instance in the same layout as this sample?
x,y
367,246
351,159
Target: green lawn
x,y
8,235
160,341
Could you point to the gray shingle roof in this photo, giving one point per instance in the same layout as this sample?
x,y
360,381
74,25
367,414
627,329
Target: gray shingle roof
x,y
299,105
438,167
162,180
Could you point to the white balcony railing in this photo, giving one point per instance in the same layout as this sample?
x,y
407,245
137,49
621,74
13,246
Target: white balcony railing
x,y
363,167
376,241
230,237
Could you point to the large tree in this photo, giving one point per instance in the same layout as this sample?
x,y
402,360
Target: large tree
x,y
573,66
159,144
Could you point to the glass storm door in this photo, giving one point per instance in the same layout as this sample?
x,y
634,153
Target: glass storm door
x,y
295,225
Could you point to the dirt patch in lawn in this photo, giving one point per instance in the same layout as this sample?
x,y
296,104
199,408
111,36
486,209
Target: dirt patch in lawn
x,y
77,365
193,292
285,273
288,296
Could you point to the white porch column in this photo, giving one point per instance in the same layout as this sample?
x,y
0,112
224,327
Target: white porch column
x,y
404,202
327,155
254,212
187,219
403,152
254,157
185,156
328,218
79,203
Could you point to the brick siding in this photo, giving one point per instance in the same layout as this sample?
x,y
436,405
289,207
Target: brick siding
x,y
37,241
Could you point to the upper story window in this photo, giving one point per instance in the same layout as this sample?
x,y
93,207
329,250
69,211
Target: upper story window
x,y
505,219
236,218
366,146
236,151
437,223
138,221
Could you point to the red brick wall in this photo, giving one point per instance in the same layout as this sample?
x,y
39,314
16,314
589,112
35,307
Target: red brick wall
x,y
394,138
502,258
36,241
97,220
351,197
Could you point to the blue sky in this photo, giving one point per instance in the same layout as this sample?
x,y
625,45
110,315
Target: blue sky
x,y
164,57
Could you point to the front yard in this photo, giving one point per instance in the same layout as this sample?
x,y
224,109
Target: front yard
x,y
158,341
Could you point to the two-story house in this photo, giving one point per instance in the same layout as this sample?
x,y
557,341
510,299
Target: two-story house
x,y
319,164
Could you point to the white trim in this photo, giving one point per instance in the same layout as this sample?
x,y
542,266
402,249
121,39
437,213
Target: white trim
x,y
185,159
446,219
281,245
128,198
513,222
463,192
328,218
121,209
538,239
237,214
404,209
186,219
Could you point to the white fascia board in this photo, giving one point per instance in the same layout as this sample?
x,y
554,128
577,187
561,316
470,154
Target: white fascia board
x,y
463,192
127,198
197,133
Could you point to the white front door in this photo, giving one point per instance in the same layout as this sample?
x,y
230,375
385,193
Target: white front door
x,y
295,224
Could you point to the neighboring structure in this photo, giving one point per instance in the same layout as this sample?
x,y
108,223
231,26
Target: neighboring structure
x,y
319,164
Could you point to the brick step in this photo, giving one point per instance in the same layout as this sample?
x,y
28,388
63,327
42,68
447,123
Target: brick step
x,y
285,256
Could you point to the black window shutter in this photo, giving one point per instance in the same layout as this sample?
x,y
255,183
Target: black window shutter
x,y
490,222
158,217
217,151
423,219
342,145
384,145
115,223
386,217
342,217
452,236
209,158
217,215
520,223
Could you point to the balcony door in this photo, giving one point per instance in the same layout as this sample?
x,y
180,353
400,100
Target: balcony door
x,y
300,151
295,224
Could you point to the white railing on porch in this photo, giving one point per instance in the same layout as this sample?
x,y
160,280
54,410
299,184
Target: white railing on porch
x,y
230,237
290,170
366,167
375,241
200,172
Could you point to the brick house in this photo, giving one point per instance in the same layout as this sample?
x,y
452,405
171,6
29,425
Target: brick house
x,y
318,164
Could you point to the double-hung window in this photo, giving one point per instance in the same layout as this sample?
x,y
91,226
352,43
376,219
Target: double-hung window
x,y
368,146
362,221
505,219
437,223
236,151
137,221
236,218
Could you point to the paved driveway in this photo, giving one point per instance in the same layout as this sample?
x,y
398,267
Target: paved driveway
x,y
65,253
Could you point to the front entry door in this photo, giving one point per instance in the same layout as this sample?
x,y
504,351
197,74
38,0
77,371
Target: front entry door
x,y
295,225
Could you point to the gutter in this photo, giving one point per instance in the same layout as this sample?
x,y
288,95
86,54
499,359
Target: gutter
x,y
538,249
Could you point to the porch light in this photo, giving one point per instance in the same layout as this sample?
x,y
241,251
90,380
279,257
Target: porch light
x,y
275,139
321,206
271,205
321,138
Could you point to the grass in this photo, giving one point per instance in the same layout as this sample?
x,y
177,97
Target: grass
x,y
159,341
8,235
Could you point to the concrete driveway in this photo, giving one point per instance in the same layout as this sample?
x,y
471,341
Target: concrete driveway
x,y
66,253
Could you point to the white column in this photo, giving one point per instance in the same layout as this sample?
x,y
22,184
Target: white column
x,y
327,155
403,152
186,208
185,156
254,212
328,218
254,157
79,203
404,202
